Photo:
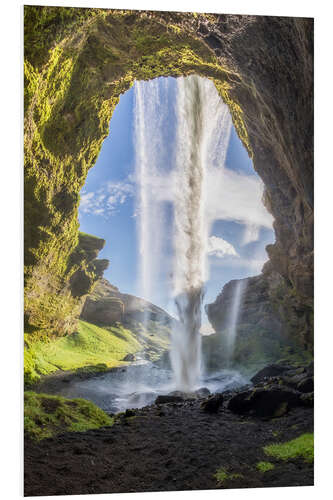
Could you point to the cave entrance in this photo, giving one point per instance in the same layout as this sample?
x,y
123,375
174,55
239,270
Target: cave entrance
x,y
118,194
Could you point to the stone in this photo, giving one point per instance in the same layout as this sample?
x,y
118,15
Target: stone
x,y
203,392
268,372
212,404
164,399
265,403
306,385
129,357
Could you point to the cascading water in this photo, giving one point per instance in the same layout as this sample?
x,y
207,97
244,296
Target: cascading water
x,y
203,129
231,330
201,137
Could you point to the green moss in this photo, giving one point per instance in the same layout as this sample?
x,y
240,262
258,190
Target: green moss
x,y
77,64
301,447
265,466
46,416
222,475
91,348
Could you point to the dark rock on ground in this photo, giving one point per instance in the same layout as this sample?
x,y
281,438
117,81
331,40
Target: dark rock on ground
x,y
307,399
164,399
129,357
266,403
306,385
180,450
212,404
203,392
269,371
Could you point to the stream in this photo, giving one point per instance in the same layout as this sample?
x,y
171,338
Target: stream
x,y
138,385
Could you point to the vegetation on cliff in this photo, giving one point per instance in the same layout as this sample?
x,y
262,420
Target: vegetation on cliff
x,y
92,348
46,416
77,63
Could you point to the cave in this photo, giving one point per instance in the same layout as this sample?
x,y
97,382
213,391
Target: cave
x,y
262,68
92,422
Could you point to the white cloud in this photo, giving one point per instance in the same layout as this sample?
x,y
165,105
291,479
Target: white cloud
x,y
237,197
105,201
220,247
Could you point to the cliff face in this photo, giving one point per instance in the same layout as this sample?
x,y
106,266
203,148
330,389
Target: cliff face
x,y
107,306
264,333
78,62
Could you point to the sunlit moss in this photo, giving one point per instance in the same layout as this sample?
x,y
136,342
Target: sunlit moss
x,y
77,64
301,447
46,416
265,466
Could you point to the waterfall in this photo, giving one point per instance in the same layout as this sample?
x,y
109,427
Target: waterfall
x,y
238,294
149,117
203,130
178,176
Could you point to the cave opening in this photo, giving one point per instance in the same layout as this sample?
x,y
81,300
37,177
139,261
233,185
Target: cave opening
x,y
133,207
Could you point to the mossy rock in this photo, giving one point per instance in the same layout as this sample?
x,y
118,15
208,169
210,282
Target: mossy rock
x,y
46,416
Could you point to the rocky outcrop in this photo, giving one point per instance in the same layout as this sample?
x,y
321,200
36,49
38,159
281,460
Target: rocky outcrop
x,y
269,328
54,306
79,61
106,305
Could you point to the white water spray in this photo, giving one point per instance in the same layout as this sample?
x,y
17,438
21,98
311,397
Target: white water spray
x,y
200,141
203,126
237,298
148,127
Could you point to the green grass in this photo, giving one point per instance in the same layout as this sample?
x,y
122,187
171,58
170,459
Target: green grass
x,y
223,475
265,466
91,347
46,416
301,447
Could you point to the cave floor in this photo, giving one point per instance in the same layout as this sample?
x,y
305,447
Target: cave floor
x,y
167,447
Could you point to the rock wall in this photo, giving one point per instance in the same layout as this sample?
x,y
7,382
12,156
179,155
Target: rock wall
x,y
106,305
262,334
79,61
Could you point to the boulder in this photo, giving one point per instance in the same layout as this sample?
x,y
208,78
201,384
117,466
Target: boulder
x,y
129,357
266,403
307,399
203,392
164,399
306,385
212,404
270,371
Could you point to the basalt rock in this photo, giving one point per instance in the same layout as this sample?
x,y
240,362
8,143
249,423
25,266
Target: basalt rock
x,y
106,305
77,64
265,403
269,326
212,404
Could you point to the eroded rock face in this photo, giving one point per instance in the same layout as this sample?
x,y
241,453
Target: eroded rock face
x,y
270,326
106,305
261,66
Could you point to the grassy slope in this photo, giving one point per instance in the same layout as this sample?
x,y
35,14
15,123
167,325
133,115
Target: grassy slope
x,y
46,416
90,346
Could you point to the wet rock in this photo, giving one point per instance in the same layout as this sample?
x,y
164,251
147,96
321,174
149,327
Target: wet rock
x,y
267,403
130,413
164,399
306,385
268,372
212,404
307,399
203,392
129,357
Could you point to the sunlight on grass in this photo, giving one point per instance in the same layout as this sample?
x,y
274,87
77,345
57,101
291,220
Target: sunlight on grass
x,y
46,416
301,447
222,475
265,466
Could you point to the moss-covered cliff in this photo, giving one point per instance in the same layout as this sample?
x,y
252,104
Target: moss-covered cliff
x,y
79,61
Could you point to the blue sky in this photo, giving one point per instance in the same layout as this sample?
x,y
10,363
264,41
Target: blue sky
x,y
108,209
